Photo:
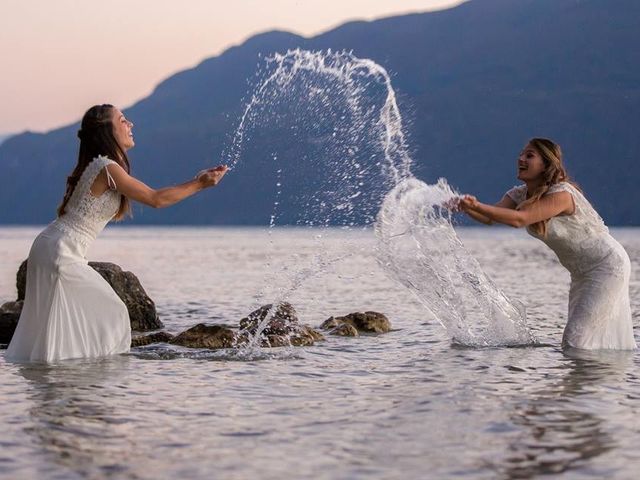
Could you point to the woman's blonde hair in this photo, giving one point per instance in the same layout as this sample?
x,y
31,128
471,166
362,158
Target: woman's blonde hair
x,y
554,172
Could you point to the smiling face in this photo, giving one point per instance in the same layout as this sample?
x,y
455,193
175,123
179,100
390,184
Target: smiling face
x,y
122,130
531,166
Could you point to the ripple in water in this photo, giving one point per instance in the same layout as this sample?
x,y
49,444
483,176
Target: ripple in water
x,y
335,118
172,352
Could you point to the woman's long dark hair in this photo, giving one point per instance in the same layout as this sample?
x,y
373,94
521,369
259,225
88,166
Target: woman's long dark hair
x,y
96,138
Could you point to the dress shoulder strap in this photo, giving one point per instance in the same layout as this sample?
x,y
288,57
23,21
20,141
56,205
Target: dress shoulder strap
x,y
101,161
561,187
91,172
110,181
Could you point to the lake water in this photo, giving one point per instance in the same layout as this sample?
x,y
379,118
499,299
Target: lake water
x,y
406,404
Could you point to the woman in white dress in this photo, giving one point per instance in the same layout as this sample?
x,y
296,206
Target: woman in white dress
x,y
69,310
555,211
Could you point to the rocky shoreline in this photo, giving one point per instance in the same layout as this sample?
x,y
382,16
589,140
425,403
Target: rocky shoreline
x,y
268,326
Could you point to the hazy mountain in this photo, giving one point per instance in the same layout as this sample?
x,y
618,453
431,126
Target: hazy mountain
x,y
474,83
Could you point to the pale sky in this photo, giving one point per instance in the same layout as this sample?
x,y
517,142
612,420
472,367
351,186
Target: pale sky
x,y
60,57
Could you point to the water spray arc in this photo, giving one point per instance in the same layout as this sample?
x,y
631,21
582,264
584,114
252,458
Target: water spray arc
x,y
343,111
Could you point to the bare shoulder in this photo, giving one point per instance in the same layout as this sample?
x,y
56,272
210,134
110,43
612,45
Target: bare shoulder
x,y
113,165
116,169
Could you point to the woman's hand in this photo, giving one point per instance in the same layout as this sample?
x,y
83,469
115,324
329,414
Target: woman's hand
x,y
467,203
453,204
212,176
463,203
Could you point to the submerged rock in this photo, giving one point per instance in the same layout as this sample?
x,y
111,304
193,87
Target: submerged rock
x,y
142,310
311,332
206,336
302,336
9,316
344,330
274,341
332,323
282,329
284,320
367,322
158,337
224,336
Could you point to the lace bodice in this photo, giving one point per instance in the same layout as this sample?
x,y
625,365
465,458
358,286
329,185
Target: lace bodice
x,y
86,215
580,240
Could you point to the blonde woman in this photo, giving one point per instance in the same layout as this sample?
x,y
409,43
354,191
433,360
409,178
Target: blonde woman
x,y
70,311
555,211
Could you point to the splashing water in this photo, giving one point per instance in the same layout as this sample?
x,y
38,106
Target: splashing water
x,y
419,248
316,73
334,117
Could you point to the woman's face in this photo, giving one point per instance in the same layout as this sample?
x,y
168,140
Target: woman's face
x,y
122,130
530,164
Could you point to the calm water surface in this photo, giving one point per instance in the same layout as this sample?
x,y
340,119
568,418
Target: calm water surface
x,y
407,404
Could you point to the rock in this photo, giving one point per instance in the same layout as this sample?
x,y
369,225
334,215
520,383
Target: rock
x,y
142,310
9,316
331,323
206,336
283,322
371,322
158,337
311,332
282,330
345,330
340,326
302,336
368,322
273,341
21,280
223,336
301,340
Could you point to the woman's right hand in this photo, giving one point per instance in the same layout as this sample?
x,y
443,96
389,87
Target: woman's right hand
x,y
467,202
212,176
453,204
462,203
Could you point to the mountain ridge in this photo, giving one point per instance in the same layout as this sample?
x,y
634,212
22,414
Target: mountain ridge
x,y
475,81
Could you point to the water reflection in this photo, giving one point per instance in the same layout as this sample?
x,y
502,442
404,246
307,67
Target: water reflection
x,y
74,419
558,428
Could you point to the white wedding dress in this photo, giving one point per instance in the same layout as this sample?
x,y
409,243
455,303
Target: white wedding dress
x,y
599,310
69,310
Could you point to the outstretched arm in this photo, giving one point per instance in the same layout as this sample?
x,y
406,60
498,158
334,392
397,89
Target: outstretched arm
x,y
163,197
547,207
505,202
